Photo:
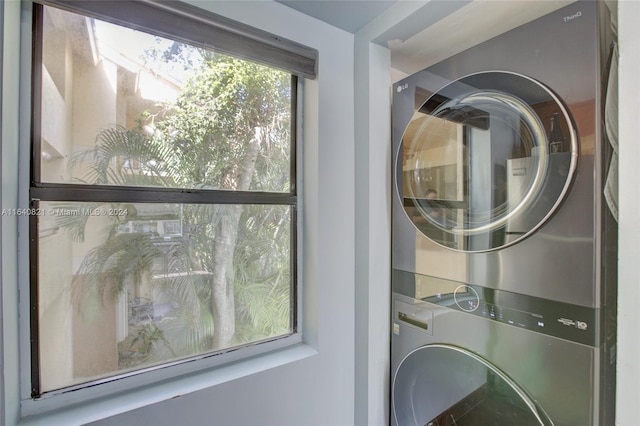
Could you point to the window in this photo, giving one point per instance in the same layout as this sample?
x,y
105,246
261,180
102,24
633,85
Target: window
x,y
164,197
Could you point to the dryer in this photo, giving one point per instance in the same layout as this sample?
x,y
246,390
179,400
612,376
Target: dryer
x,y
500,224
500,159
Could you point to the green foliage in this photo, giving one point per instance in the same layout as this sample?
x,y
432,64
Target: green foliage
x,y
73,224
212,123
262,272
146,336
129,157
190,326
105,270
204,140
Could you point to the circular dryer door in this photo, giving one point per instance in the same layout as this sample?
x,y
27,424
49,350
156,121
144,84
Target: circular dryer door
x,y
486,160
438,385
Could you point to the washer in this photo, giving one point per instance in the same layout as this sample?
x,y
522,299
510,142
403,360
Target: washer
x,y
502,240
474,357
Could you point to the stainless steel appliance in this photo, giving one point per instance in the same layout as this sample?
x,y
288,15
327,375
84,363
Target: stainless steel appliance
x,y
470,355
501,234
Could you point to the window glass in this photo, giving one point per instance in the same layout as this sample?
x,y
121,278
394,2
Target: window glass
x,y
486,160
127,286
123,107
446,385
163,202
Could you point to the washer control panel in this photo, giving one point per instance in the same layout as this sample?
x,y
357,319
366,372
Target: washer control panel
x,y
563,320
466,298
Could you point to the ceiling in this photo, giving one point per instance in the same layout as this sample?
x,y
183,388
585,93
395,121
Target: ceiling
x,y
425,36
349,15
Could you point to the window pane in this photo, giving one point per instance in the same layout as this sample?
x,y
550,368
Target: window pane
x,y
129,286
123,107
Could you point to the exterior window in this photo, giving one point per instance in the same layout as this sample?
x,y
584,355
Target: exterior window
x,y
163,201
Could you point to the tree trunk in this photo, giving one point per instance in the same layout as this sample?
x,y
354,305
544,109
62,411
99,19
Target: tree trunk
x,y
226,235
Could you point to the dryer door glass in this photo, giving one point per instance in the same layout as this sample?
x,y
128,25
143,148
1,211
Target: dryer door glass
x,y
486,160
440,385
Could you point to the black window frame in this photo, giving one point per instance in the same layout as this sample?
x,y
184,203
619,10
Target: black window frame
x,y
69,192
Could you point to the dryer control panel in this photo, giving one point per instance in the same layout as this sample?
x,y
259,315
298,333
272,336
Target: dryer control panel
x,y
566,321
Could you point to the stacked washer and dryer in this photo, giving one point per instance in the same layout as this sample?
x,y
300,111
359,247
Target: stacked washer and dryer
x,y
504,243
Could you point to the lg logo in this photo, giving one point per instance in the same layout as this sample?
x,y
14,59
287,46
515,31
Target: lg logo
x,y
401,87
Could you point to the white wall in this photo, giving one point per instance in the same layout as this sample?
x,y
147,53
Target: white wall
x,y
2,400
628,347
8,309
317,389
373,231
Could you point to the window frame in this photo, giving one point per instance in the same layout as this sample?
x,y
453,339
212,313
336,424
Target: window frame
x,y
35,402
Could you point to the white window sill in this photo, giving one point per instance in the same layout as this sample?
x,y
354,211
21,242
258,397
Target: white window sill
x,y
112,405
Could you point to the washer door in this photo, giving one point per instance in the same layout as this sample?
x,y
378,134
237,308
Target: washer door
x,y
438,385
486,160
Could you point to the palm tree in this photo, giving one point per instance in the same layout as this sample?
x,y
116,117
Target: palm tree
x,y
229,130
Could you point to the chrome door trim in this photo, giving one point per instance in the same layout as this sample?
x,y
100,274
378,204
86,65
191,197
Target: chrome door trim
x,y
574,148
537,411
